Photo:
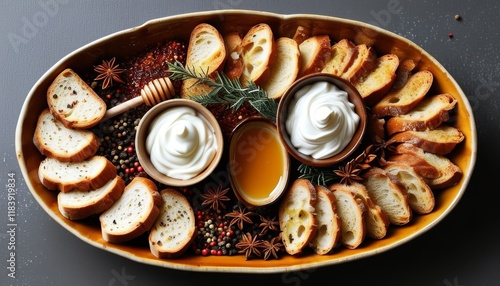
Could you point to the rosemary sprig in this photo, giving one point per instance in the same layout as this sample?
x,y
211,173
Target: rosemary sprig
x,y
226,91
318,176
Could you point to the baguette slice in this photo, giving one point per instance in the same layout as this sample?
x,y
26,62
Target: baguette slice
x,y
315,51
428,114
444,172
55,140
441,140
388,193
328,234
78,205
285,68
363,62
403,72
351,212
234,62
258,49
420,195
86,175
378,82
301,34
342,54
297,221
73,102
401,101
133,213
174,228
206,54
377,222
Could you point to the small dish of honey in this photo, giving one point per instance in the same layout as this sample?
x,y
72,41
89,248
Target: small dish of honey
x,y
259,164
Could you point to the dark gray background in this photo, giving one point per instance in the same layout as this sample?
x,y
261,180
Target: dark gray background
x,y
464,249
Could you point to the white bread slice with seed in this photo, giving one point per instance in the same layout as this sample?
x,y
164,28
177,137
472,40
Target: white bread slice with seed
x,y
401,101
342,54
328,233
297,221
285,68
431,112
438,171
258,49
377,222
363,62
374,85
420,195
351,212
315,51
73,102
85,175
233,66
53,139
174,228
76,205
388,193
133,213
206,54
441,140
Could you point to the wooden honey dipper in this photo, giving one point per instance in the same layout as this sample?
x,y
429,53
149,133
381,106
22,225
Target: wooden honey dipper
x,y
152,93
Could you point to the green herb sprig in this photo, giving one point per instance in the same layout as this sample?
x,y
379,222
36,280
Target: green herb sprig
x,y
226,91
318,176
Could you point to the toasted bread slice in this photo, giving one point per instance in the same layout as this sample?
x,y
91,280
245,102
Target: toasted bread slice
x,y
351,212
420,195
133,213
315,51
174,228
285,68
428,114
342,54
55,140
76,205
403,72
73,102
301,34
206,54
85,175
374,85
377,222
328,234
234,62
444,173
297,221
441,140
388,193
401,101
363,62
258,50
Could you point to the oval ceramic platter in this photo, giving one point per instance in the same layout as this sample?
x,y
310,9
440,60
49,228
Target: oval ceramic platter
x,y
125,43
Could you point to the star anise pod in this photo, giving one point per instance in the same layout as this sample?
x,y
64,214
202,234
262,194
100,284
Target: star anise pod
x,y
273,247
349,173
240,216
267,224
365,159
249,245
215,198
108,72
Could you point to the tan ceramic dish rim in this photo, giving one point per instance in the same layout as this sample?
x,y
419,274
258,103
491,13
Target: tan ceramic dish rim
x,y
384,41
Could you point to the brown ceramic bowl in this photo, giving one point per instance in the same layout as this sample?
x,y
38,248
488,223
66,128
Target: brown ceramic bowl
x,y
143,132
353,96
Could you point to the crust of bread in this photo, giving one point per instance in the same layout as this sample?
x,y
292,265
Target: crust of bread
x,y
297,221
401,101
441,140
328,233
285,68
53,139
376,83
343,53
73,102
76,205
403,72
315,51
234,62
174,229
143,218
85,175
431,112
363,62
301,34
351,212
